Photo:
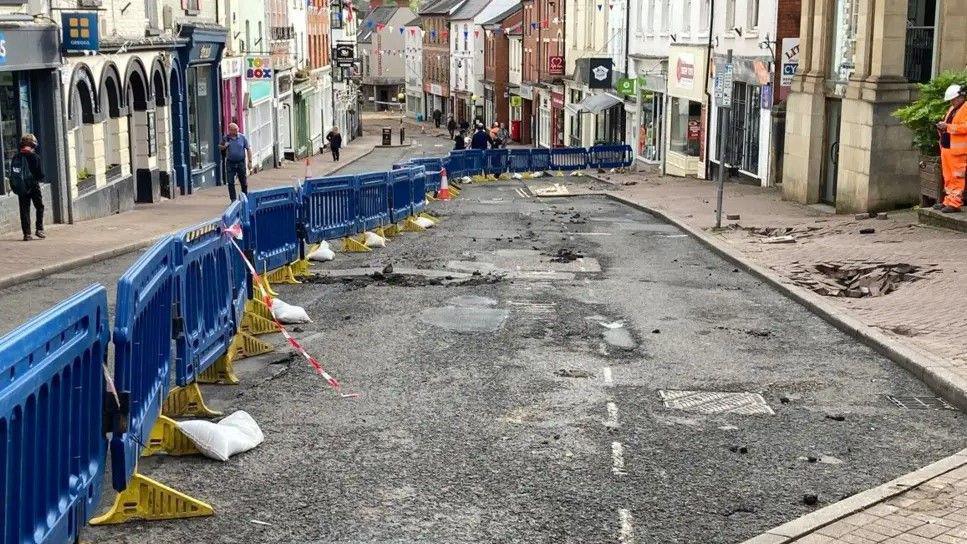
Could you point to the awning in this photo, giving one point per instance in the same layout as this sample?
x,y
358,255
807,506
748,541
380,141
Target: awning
x,y
597,103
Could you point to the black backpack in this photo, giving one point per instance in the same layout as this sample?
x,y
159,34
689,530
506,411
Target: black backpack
x,y
22,180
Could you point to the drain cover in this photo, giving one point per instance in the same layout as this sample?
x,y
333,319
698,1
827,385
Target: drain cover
x,y
716,402
921,403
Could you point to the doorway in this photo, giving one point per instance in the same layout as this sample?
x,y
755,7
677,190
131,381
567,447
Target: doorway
x,y
827,191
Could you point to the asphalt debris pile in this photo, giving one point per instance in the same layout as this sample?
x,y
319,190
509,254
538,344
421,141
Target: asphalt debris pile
x,y
782,235
565,255
404,280
856,279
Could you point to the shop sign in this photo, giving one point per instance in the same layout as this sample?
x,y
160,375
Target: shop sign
x,y
557,100
723,86
258,68
232,67
516,101
433,88
626,86
600,73
685,70
345,55
526,92
555,65
790,63
694,130
79,32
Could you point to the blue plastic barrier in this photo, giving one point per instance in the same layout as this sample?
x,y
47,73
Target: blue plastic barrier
x,y
329,208
610,156
540,160
271,232
142,349
235,213
418,188
52,442
401,194
432,181
205,299
373,190
519,160
495,161
456,164
569,159
474,162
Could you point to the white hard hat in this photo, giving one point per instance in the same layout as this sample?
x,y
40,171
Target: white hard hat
x,y
952,92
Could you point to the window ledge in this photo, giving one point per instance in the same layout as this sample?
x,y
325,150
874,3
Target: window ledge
x,y
750,34
192,12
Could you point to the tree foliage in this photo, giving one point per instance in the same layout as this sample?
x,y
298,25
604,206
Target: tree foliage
x,y
923,114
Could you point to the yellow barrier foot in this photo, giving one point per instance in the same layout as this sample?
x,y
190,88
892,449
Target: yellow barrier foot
x,y
255,324
391,231
352,245
282,274
425,215
149,500
167,438
245,345
430,197
264,287
559,174
410,225
223,371
187,402
301,267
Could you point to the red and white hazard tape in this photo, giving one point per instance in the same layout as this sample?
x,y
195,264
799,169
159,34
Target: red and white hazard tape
x,y
236,232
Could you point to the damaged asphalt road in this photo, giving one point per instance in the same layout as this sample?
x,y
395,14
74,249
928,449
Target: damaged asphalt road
x,y
504,406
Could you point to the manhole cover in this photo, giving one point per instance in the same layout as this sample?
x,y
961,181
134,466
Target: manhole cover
x,y
921,403
716,402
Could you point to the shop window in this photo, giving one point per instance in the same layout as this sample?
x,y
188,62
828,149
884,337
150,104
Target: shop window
x,y
743,141
844,43
651,119
919,50
15,117
200,129
686,126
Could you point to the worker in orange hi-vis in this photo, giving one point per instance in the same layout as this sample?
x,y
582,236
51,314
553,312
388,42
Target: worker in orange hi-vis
x,y
953,150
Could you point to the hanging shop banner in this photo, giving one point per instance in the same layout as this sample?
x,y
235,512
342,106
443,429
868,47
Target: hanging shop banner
x,y
626,86
600,73
790,63
516,101
687,72
258,68
555,65
80,31
345,55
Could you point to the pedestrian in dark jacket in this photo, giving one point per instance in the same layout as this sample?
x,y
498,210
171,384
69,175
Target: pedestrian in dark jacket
x,y
437,117
460,141
480,140
335,142
26,175
451,126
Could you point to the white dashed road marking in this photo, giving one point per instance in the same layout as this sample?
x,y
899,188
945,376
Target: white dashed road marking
x,y
626,535
617,459
608,378
612,415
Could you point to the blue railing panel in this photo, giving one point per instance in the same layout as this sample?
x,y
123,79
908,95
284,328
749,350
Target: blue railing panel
x,y
456,164
495,161
206,305
418,189
373,191
329,208
474,162
401,194
519,160
143,355
52,446
540,160
569,159
610,156
272,235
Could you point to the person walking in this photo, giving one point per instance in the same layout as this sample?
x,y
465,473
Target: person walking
x,y
451,126
437,117
460,141
480,140
335,142
953,150
26,175
238,158
503,135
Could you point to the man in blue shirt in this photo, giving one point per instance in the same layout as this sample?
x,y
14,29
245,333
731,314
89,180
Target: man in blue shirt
x,y
238,157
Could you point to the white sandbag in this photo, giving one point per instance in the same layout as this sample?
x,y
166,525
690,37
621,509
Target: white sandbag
x,y
374,240
288,313
517,176
424,222
537,174
466,179
236,433
324,253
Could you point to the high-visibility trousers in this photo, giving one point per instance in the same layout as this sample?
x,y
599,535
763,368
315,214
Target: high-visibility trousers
x,y
954,170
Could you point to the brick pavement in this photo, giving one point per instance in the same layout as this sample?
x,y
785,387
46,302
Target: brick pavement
x,y
69,245
928,314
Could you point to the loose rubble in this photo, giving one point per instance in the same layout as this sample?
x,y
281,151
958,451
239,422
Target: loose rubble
x,y
856,279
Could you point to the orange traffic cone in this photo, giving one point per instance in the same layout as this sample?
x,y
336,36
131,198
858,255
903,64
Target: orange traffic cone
x,y
444,193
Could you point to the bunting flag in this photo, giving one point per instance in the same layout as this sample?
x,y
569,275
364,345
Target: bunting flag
x,y
545,24
465,33
369,24
600,6
476,33
402,30
533,26
433,34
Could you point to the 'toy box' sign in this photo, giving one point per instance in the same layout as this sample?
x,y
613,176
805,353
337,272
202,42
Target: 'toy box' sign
x,y
258,68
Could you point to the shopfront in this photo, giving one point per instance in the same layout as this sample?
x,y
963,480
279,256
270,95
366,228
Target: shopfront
x,y
31,102
232,92
557,119
259,120
543,117
285,99
685,116
527,125
305,92
197,162
750,125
